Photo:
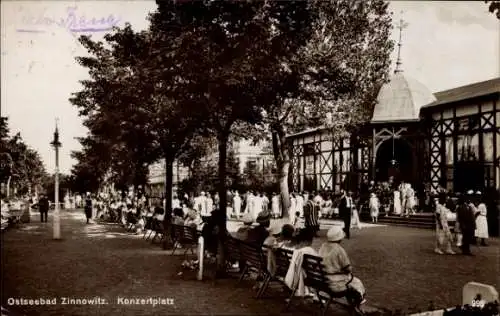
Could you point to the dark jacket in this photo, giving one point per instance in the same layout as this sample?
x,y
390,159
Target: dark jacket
x,y
466,218
43,205
343,210
257,235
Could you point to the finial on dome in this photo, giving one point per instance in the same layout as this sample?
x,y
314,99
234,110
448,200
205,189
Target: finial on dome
x,y
401,25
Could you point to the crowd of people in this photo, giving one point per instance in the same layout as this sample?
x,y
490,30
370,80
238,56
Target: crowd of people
x,y
471,226
300,240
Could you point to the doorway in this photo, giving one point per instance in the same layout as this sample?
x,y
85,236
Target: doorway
x,y
395,158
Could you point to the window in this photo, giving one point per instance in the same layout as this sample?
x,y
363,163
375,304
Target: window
x,y
449,150
326,145
336,161
488,147
468,147
346,161
309,164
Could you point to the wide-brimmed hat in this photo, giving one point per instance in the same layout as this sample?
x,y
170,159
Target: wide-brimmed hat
x,y
287,230
470,192
247,219
275,230
478,193
335,234
263,217
192,214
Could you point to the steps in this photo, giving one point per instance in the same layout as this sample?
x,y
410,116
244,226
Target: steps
x,y
419,220
422,220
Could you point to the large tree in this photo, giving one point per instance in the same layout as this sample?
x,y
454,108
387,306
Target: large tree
x,y
109,103
222,53
494,7
332,80
20,166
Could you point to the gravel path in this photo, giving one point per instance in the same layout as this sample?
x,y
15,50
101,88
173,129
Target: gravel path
x,y
102,261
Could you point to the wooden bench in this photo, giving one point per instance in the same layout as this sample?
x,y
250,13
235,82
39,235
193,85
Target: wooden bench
x,y
316,279
254,259
282,259
158,230
233,249
185,236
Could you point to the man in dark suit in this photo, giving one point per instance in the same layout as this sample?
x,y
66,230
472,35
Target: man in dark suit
x,y
43,208
467,223
345,212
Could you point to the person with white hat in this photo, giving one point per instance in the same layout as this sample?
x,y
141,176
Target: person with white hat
x,y
236,204
338,266
242,232
258,234
374,205
481,221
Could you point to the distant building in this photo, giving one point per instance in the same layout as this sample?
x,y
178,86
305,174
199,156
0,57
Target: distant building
x,y
245,154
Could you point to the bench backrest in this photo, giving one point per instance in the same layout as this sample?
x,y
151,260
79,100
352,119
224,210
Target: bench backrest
x,y
283,258
190,234
233,248
178,231
252,254
315,273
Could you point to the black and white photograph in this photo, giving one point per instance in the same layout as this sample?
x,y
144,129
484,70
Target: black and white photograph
x,y
250,157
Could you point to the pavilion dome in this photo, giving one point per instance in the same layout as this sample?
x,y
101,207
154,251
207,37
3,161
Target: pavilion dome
x,y
401,99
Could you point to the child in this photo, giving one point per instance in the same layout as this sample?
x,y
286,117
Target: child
x,y
374,205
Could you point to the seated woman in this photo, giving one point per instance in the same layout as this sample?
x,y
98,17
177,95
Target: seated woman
x,y
178,217
338,266
242,232
295,276
327,208
277,239
192,218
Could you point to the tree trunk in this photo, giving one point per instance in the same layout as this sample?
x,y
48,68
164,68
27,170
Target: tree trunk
x,y
222,139
281,153
167,221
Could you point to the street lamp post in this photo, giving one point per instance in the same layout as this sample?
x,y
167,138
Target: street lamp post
x,y
57,222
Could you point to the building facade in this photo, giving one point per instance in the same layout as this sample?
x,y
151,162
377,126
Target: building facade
x,y
450,140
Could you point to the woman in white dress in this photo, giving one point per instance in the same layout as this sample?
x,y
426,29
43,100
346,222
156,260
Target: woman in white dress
x,y
397,202
374,206
327,209
275,205
293,206
481,232
338,265
443,233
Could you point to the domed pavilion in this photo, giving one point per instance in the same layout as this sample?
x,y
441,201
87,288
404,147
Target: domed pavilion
x,y
448,139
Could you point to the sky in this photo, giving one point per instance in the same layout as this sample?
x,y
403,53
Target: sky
x,y
446,44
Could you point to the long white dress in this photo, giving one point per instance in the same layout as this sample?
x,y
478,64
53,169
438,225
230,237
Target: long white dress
x,y
482,222
374,206
397,202
295,275
237,205
299,206
275,205
293,206
257,206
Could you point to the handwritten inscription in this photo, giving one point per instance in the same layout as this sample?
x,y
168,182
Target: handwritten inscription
x,y
72,22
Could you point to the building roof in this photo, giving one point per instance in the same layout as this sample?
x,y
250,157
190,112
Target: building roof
x,y
401,100
466,92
